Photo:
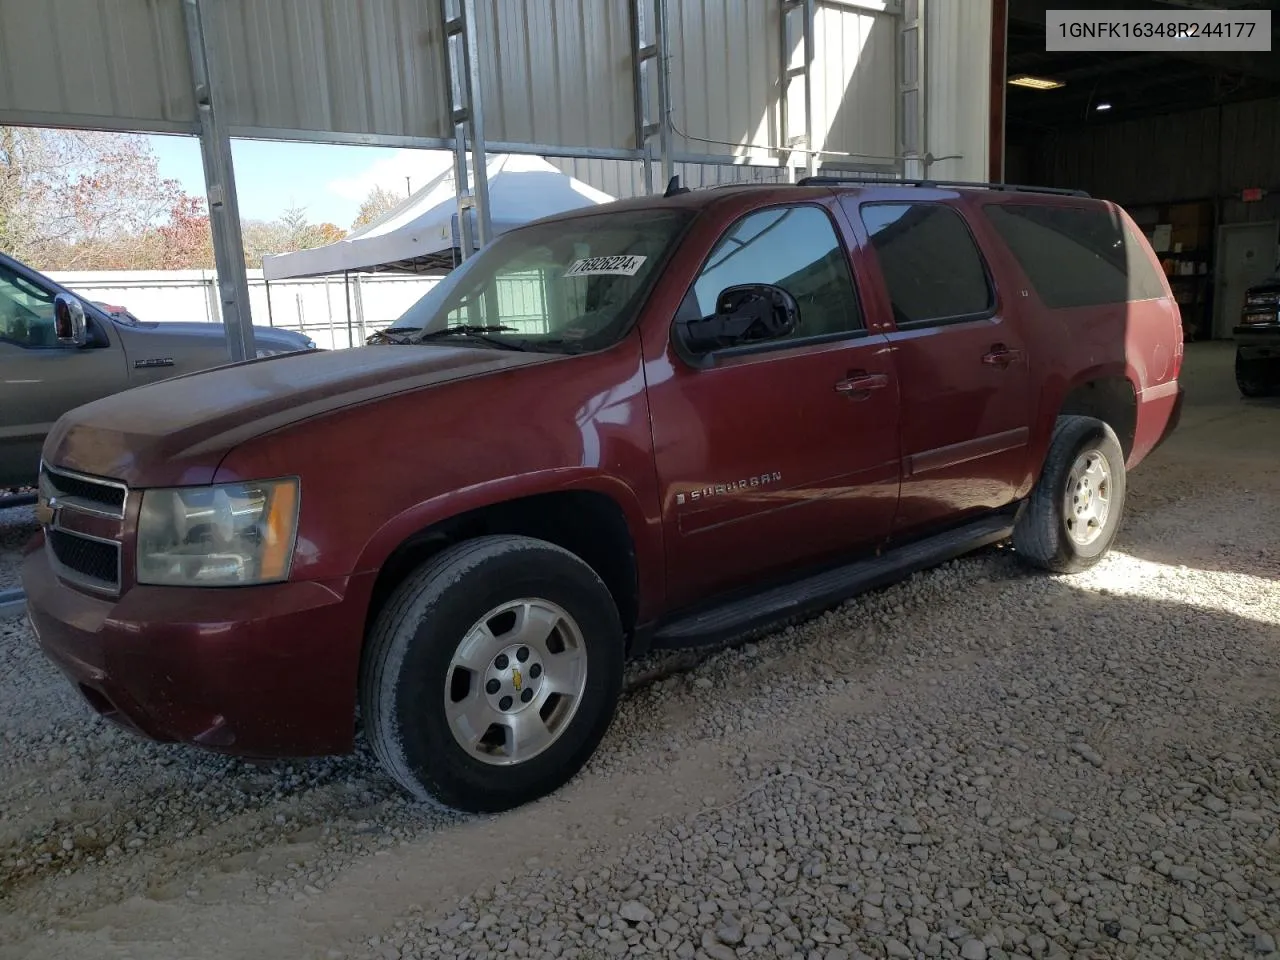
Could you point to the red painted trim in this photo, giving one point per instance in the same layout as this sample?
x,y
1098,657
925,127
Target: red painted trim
x,y
999,54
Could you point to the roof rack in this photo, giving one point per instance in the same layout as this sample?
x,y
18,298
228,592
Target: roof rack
x,y
888,182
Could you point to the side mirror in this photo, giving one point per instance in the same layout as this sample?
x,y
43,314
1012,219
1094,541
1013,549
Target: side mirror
x,y
747,313
68,320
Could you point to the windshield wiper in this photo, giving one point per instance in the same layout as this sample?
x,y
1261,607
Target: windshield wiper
x,y
474,332
391,335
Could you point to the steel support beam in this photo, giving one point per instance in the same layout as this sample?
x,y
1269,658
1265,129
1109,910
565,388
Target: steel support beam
x,y
661,22
644,54
911,89
795,32
220,187
997,91
462,66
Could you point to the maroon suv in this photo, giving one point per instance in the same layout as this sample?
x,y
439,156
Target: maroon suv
x,y
653,423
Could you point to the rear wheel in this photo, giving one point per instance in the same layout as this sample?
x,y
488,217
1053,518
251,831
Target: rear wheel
x,y
492,673
1075,509
1256,378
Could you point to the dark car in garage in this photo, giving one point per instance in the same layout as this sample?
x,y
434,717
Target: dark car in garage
x,y
1258,339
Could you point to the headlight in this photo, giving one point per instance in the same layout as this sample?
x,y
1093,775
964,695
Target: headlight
x,y
231,534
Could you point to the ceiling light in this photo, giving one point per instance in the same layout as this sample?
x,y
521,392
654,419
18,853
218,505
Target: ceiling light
x,y
1035,83
1103,106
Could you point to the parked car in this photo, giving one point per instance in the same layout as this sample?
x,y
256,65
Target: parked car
x,y
115,310
1258,339
58,352
653,423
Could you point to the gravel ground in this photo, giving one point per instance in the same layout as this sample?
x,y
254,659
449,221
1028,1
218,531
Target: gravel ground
x,y
16,528
978,763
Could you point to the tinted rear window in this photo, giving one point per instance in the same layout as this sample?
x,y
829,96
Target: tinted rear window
x,y
930,262
1076,256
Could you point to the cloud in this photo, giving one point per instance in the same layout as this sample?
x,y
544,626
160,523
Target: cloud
x,y
420,166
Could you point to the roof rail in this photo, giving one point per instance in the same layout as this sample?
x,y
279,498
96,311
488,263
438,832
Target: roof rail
x,y
887,182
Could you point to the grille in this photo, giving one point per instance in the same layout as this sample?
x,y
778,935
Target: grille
x,y
110,497
94,559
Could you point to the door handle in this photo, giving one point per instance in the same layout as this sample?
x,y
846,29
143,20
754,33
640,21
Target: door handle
x,y
1001,356
860,383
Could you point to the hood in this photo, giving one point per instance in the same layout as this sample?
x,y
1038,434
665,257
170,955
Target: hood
x,y
274,338
177,431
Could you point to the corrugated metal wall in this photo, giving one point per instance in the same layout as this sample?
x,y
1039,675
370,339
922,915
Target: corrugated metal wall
x,y
1202,154
957,84
854,91
373,67
625,178
557,71
725,67
618,178
121,61
554,72
724,74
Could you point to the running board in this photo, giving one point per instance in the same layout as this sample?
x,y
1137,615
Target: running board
x,y
813,594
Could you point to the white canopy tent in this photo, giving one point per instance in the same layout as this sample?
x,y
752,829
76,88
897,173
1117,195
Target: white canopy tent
x,y
421,235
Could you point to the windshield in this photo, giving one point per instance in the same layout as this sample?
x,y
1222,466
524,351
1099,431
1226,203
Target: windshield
x,y
569,285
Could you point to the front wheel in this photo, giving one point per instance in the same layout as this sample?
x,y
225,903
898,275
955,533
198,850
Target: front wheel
x,y
492,673
1256,378
1075,509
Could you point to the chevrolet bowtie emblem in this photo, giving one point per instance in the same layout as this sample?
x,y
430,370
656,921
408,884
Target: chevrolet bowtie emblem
x,y
45,511
516,680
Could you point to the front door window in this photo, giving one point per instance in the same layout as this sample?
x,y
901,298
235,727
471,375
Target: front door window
x,y
795,248
26,312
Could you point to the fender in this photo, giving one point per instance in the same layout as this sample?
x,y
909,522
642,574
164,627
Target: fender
x,y
1053,394
645,526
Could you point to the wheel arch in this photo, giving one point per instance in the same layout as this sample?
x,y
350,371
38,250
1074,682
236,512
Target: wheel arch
x,y
1109,397
598,519
1105,392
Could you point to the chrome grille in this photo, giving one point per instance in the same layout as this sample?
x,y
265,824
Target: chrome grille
x,y
96,560
83,519
88,494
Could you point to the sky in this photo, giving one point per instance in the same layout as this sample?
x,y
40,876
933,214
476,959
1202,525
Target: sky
x,y
329,181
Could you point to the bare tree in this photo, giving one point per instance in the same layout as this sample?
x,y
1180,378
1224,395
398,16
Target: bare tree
x,y
65,194
378,201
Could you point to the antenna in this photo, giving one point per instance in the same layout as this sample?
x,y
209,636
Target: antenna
x,y
674,188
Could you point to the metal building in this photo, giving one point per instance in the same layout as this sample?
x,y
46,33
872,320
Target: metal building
x,y
623,93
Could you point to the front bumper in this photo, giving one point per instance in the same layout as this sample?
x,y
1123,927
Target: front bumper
x,y
266,671
1258,341
1175,417
1159,412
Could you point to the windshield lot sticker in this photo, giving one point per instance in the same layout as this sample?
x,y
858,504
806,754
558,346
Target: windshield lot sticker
x,y
606,266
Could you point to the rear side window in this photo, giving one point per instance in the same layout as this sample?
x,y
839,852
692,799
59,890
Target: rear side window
x,y
930,262
1076,256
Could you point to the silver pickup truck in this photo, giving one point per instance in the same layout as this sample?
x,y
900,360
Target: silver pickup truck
x,y
58,351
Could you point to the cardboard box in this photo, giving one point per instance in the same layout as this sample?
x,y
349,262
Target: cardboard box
x,y
1192,236
1190,215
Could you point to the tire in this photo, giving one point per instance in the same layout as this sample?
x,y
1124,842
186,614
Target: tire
x,y
1043,534
1252,379
413,700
